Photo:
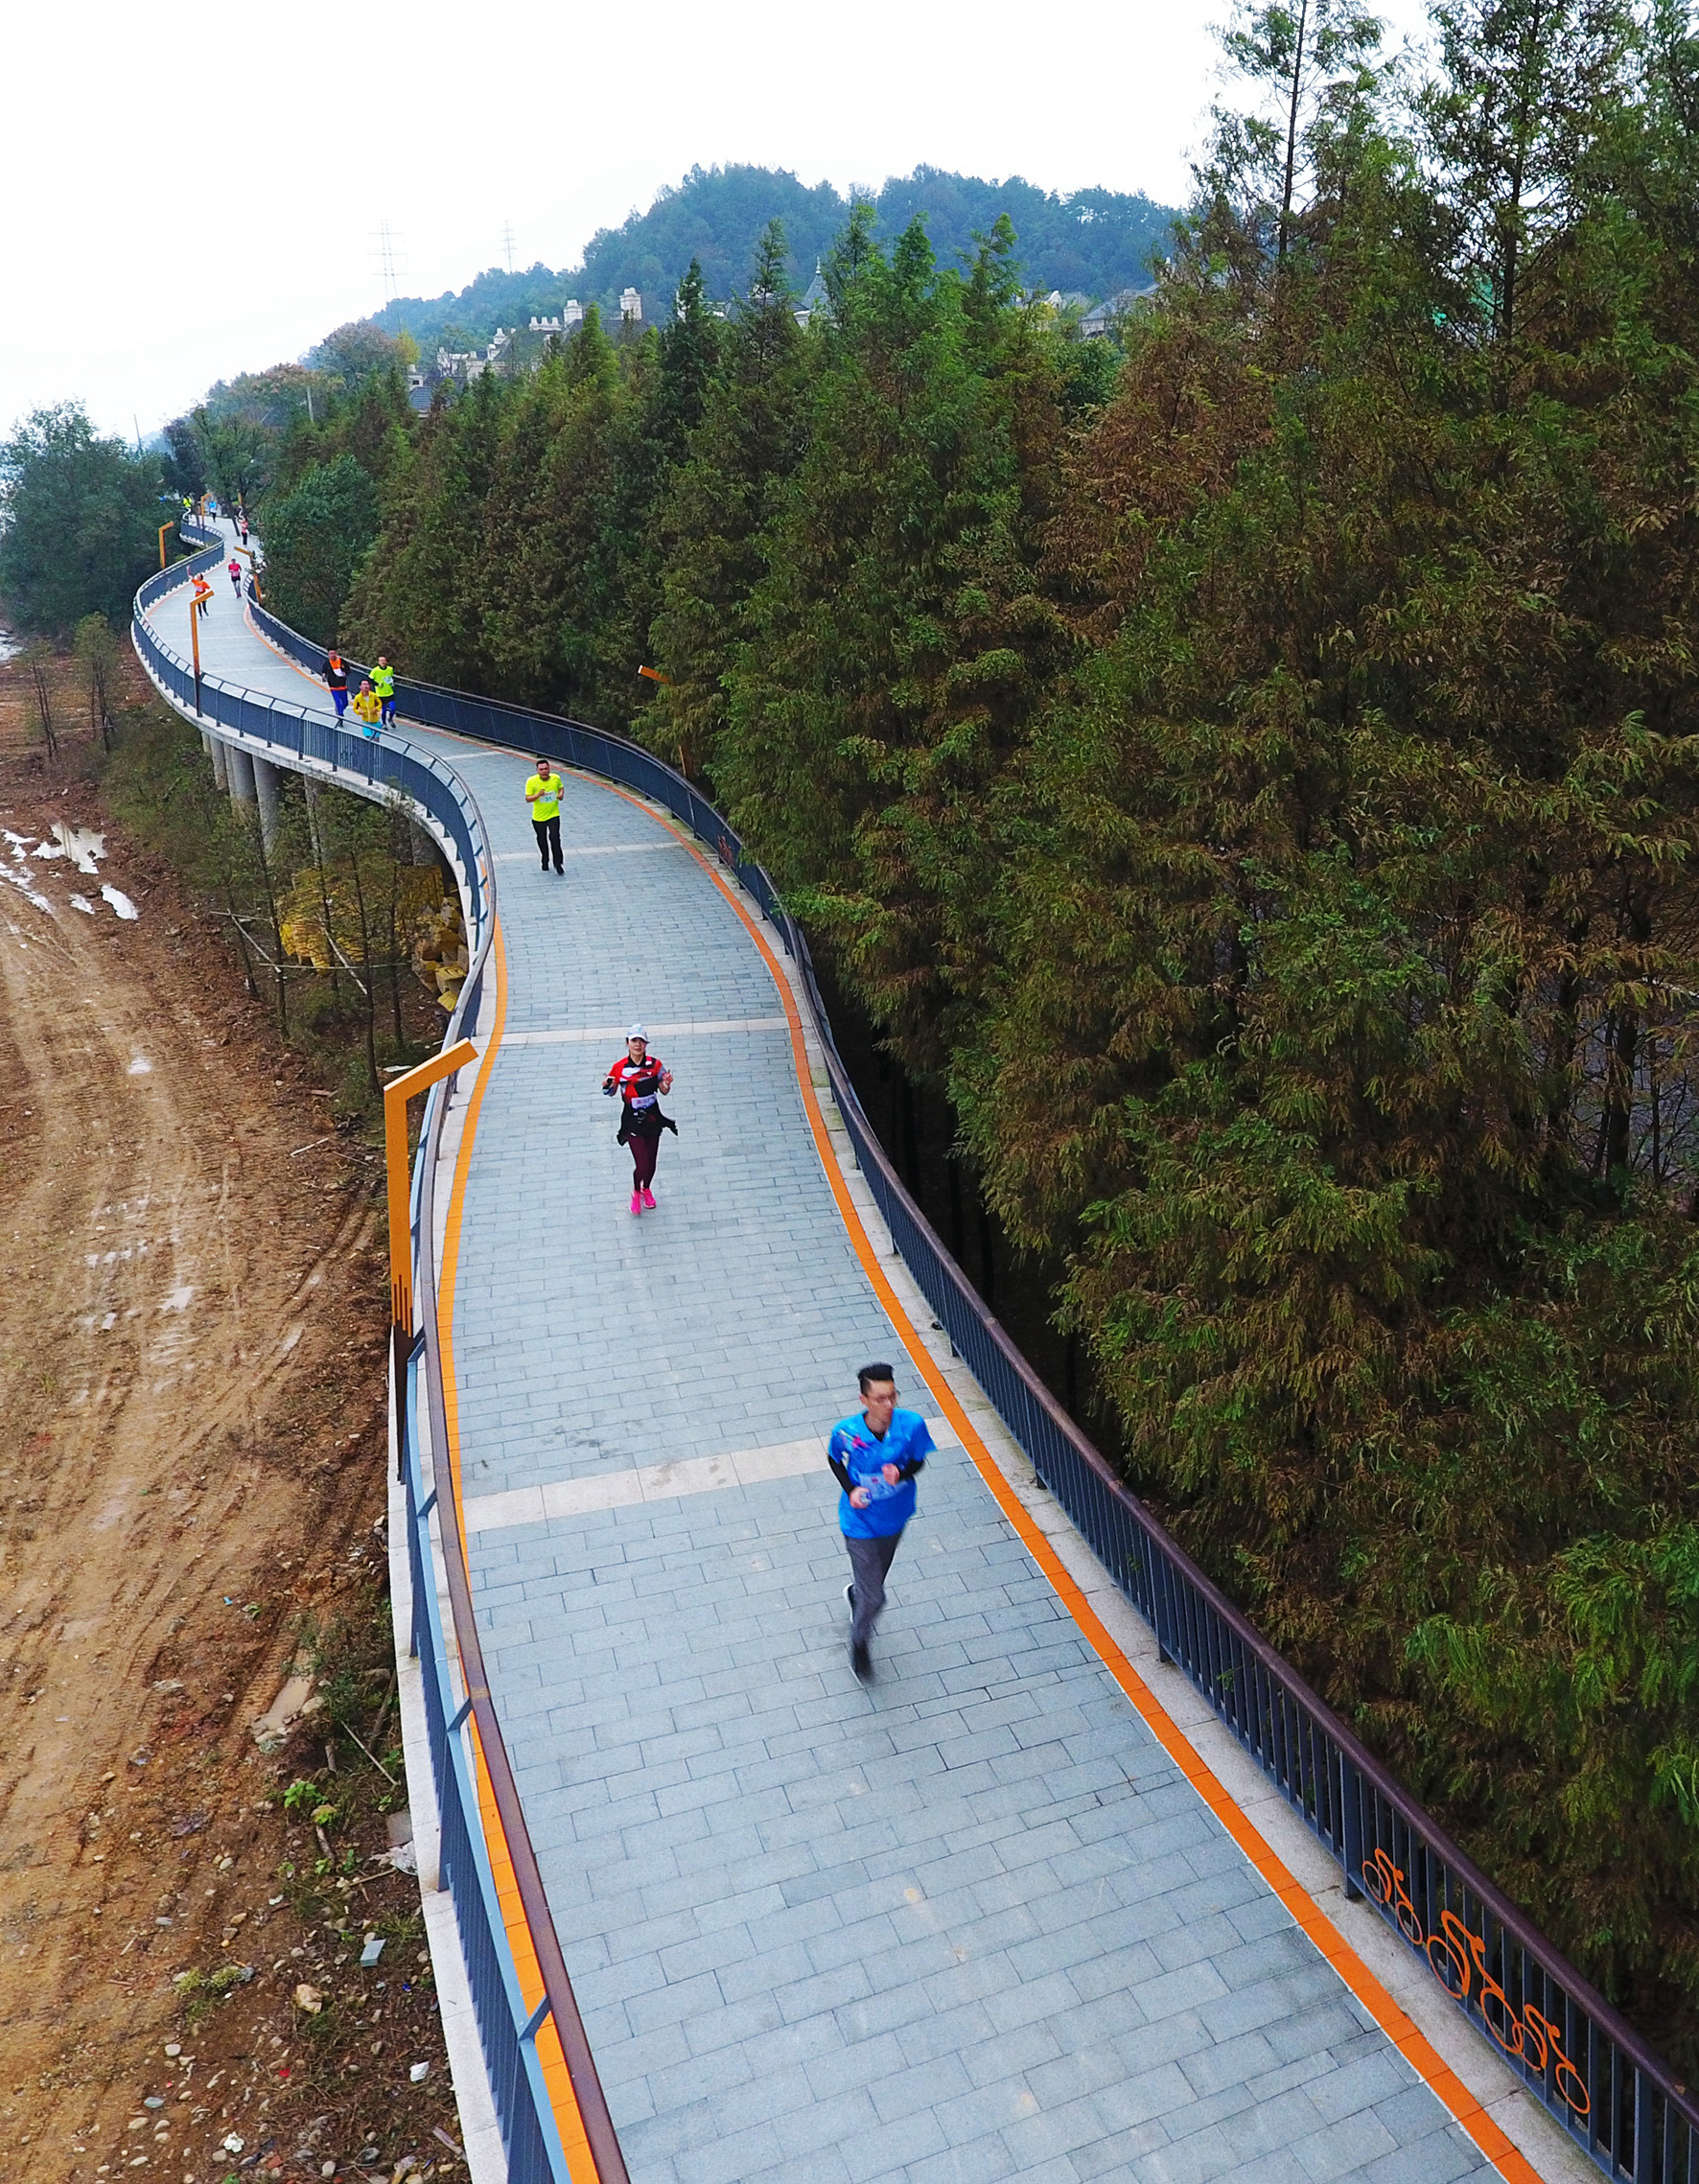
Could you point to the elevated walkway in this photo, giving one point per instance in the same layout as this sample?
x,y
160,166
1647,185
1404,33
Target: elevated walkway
x,y
1000,1913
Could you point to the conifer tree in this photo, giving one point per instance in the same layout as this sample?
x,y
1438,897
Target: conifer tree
x,y
895,644
1352,886
419,597
662,405
746,445
544,523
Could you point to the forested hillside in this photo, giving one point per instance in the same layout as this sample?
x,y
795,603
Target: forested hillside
x,y
1095,241
1251,777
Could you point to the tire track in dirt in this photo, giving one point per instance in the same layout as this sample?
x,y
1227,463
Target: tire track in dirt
x,y
191,1438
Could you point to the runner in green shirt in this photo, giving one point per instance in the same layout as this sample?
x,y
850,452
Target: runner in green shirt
x,y
384,683
542,793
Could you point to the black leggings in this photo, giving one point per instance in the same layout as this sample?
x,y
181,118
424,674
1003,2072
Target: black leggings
x,y
642,1151
548,837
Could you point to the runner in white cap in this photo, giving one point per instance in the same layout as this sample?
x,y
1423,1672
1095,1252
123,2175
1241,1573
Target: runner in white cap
x,y
640,1077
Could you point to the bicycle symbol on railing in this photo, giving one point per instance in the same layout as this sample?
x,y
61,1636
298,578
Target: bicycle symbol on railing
x,y
1456,1957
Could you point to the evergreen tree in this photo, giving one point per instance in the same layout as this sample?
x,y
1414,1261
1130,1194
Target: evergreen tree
x,y
419,598
746,445
1352,886
895,644
78,522
650,434
317,538
542,606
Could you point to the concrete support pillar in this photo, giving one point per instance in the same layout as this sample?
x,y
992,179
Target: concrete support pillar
x,y
311,788
270,799
221,772
239,767
425,851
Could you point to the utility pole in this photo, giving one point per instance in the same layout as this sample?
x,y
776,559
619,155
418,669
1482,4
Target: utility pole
x,y
508,242
386,257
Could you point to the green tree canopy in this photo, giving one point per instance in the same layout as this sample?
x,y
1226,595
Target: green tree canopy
x,y
79,519
317,539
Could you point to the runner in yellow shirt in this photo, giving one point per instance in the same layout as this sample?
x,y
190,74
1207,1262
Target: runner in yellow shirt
x,y
542,793
365,708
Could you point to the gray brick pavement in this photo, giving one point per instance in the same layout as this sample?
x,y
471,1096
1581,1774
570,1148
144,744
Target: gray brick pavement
x,y
965,1924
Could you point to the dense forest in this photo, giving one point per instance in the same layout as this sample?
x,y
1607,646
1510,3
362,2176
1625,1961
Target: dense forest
x,y
1249,775
1093,241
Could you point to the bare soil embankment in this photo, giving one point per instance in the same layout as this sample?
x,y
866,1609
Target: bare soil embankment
x,y
192,1465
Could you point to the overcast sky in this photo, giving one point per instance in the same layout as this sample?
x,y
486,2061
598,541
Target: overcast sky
x,y
192,195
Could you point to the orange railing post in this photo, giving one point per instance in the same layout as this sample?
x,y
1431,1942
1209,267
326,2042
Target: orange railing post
x,y
396,1096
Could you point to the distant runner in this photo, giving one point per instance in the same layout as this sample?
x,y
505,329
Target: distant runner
x,y
542,793
383,683
336,675
640,1077
874,1457
235,569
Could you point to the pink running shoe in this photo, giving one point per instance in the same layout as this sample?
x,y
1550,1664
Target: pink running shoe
x,y
648,1198
636,1203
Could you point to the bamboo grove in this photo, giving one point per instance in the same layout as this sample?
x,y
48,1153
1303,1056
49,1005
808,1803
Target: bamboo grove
x,y
1250,774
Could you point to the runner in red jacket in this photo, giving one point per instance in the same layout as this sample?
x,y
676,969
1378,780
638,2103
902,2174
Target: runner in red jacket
x,y
640,1077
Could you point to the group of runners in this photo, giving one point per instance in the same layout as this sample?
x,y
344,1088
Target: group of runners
x,y
876,1452
373,703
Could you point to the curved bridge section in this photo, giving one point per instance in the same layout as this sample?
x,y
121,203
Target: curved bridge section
x,y
1021,1909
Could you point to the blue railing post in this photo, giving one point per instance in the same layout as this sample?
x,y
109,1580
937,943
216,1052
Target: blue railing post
x,y
1351,1825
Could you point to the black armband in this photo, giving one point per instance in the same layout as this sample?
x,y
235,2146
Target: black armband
x,y
840,1474
910,1467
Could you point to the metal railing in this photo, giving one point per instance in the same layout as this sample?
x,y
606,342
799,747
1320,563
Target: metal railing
x,y
1570,2047
507,2029
1588,2066
562,741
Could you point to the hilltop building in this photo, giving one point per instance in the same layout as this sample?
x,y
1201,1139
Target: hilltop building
x,y
814,298
1102,319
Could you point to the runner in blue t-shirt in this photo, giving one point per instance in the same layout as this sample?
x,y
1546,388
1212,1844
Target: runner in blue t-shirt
x,y
874,1455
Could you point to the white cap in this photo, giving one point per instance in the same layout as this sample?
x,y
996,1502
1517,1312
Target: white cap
x,y
636,1031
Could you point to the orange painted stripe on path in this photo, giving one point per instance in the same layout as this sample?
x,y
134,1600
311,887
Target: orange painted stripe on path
x,y
569,2120
557,2079
1403,2035
1400,2029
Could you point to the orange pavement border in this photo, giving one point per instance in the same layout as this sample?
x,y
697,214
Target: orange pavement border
x,y
1326,1938
557,2079
567,2117
1329,1942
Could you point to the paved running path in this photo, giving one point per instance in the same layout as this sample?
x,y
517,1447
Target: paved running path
x,y
967,1923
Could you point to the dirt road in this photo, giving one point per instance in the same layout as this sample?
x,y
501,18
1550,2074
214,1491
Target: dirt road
x,y
191,1457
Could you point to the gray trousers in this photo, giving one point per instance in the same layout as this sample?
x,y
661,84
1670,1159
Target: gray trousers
x,y
870,1563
